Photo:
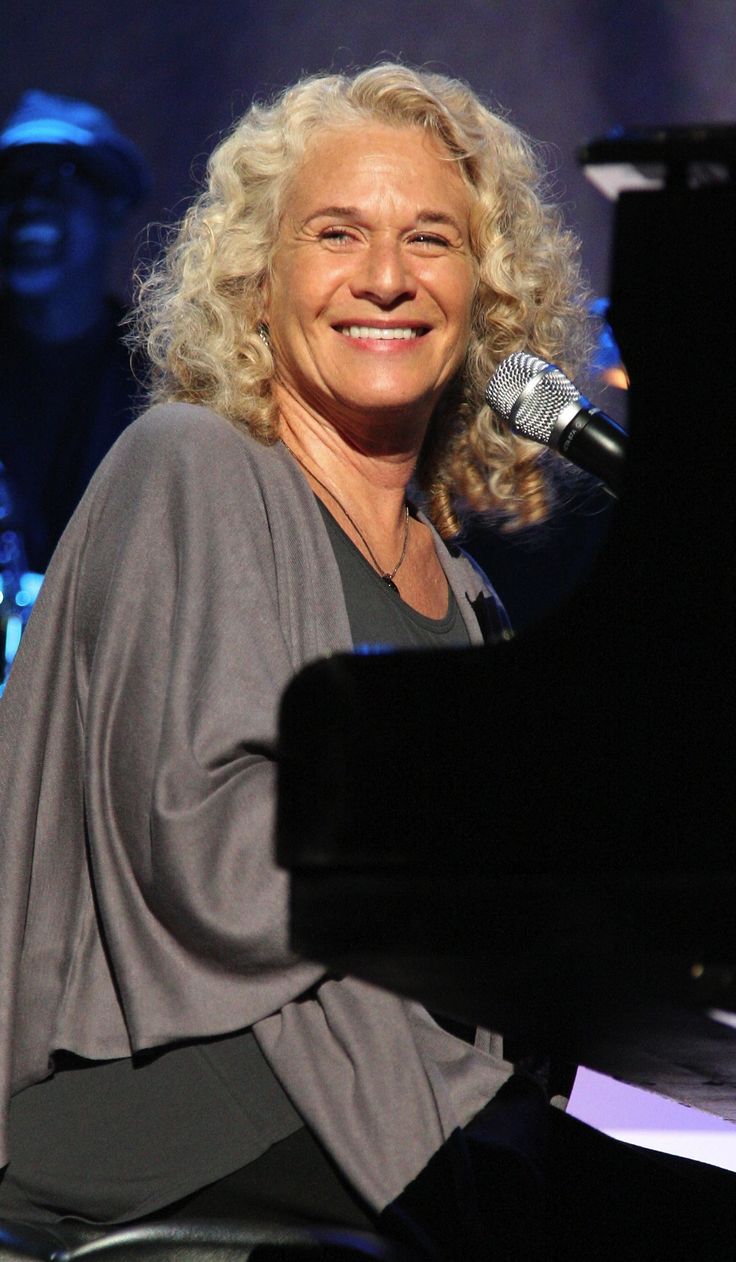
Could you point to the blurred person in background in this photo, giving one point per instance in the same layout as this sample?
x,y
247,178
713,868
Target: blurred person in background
x,y
68,180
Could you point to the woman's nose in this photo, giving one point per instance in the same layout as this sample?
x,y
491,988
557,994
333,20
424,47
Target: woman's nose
x,y
384,275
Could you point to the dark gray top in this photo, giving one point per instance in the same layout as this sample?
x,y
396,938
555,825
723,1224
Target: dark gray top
x,y
378,616
113,1140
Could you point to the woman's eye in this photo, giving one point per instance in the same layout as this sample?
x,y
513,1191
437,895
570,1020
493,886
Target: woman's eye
x,y
430,239
340,235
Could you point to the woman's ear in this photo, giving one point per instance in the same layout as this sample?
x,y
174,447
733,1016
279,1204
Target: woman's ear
x,y
265,297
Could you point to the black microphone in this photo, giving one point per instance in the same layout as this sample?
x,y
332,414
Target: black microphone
x,y
538,401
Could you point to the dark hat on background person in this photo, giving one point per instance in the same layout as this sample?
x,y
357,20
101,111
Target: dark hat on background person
x,y
87,133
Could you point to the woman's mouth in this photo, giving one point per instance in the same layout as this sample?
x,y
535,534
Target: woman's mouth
x,y
382,334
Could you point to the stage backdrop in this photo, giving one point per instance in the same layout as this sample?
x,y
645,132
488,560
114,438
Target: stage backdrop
x,y
175,73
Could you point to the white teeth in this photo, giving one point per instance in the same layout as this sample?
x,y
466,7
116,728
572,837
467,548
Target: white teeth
x,y
363,330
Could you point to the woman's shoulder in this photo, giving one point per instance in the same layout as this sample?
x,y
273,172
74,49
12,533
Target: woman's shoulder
x,y
175,442
174,427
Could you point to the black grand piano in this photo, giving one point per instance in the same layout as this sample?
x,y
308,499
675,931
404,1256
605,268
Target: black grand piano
x,y
539,836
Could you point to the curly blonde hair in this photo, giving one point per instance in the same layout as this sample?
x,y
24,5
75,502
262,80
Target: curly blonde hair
x,y
199,308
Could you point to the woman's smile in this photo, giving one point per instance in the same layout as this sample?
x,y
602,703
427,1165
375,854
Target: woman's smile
x,y
382,333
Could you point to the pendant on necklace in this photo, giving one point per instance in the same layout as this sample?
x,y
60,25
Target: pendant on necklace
x,y
390,583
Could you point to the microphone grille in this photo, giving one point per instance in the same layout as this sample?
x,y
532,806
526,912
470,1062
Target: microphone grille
x,y
535,415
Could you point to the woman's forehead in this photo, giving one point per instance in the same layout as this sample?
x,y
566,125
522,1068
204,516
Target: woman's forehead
x,y
375,160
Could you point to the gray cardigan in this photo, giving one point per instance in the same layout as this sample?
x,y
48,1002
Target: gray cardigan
x,y
141,903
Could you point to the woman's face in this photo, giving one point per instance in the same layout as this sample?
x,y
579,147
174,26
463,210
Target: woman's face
x,y
373,280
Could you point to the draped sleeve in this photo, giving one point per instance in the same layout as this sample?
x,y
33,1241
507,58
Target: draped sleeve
x,y
186,643
141,904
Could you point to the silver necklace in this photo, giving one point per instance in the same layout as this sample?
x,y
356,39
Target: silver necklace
x,y
388,578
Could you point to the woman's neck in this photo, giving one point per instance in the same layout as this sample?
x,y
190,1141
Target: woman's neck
x,y
366,474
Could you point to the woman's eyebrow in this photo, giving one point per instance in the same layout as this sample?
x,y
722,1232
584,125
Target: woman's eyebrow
x,y
438,216
334,212
352,212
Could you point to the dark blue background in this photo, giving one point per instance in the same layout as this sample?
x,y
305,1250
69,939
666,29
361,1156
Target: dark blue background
x,y
175,73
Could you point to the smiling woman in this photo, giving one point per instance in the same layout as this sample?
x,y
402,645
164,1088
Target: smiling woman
x,y
320,332
369,305
201,309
